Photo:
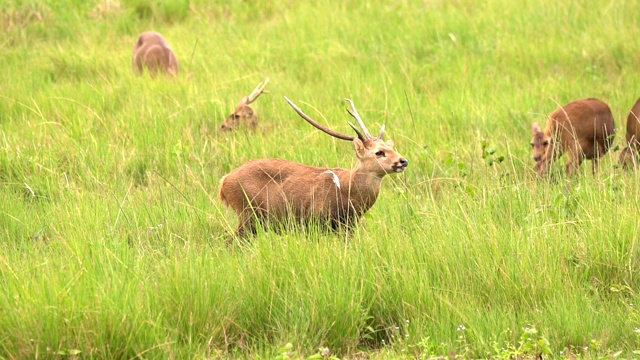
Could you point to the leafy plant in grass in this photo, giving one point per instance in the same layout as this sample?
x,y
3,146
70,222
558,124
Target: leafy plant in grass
x,y
489,154
531,345
286,353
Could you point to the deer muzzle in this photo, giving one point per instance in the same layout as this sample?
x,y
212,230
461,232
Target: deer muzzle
x,y
400,165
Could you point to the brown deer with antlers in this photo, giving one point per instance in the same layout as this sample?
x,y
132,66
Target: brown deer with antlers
x,y
272,191
245,114
629,156
154,52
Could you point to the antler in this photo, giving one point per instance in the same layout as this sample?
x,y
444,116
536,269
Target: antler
x,y
256,92
359,119
324,128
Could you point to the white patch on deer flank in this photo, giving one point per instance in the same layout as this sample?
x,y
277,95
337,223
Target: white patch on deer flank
x,y
335,178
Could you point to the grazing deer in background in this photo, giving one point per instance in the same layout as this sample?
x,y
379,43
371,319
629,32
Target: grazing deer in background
x,y
629,156
582,128
244,114
276,191
154,52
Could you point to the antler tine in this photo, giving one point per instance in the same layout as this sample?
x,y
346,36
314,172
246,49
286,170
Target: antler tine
x,y
357,131
358,118
257,91
318,126
381,133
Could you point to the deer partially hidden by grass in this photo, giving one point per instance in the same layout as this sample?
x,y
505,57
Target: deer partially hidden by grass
x,y
274,191
582,128
629,156
245,114
153,52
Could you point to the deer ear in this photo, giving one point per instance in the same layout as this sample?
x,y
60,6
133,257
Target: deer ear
x,y
389,143
536,128
360,148
247,111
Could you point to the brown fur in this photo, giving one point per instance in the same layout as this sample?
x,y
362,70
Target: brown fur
x,y
243,115
582,128
276,191
154,52
629,156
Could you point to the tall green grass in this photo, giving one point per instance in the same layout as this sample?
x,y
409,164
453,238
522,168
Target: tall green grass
x,y
113,243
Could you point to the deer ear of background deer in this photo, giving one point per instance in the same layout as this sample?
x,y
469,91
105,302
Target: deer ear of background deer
x,y
247,111
536,128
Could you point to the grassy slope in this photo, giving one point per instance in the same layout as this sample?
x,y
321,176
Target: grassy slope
x,y
113,237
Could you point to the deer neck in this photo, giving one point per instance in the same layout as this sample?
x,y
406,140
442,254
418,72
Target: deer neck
x,y
364,187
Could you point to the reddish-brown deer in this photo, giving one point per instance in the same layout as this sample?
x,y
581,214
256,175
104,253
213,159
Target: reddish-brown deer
x,y
583,129
274,191
245,114
154,52
629,156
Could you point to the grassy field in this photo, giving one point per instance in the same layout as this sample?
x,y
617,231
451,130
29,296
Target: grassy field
x,y
113,239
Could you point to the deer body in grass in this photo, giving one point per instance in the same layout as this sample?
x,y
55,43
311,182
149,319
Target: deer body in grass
x,y
271,191
629,155
245,114
153,52
583,129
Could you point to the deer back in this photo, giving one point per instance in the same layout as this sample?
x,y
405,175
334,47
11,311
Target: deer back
x,y
586,125
278,189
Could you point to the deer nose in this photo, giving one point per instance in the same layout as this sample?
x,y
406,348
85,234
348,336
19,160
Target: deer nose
x,y
537,158
404,162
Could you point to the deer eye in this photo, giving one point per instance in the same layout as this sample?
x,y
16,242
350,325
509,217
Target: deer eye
x,y
545,143
379,153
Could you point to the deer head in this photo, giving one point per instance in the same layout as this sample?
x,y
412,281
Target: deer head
x,y
539,142
375,155
245,114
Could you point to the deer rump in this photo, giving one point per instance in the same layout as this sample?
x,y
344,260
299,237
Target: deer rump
x,y
277,192
154,52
